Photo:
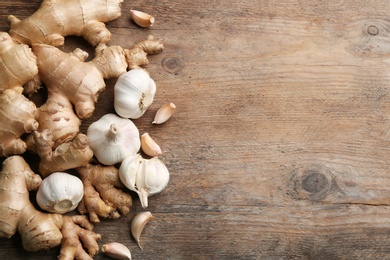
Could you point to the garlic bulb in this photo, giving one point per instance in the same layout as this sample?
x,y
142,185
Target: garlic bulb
x,y
133,93
144,176
60,192
113,138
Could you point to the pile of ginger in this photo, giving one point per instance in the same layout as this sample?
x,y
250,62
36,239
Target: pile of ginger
x,y
29,59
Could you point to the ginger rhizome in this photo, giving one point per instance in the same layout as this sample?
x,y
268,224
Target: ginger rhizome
x,y
66,156
17,63
103,196
67,75
137,56
17,113
17,116
56,19
38,230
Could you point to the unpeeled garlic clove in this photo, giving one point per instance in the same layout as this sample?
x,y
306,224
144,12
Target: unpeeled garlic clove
x,y
117,251
164,113
138,224
149,146
141,18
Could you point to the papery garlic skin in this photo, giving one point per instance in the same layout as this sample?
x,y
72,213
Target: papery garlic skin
x,y
149,146
113,138
164,113
138,224
141,18
133,93
117,251
60,192
144,176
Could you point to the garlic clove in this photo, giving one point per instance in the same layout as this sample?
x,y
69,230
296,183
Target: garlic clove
x,y
141,18
156,176
117,251
149,146
164,113
60,192
138,224
128,171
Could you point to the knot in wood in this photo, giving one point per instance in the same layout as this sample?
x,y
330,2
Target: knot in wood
x,y
315,182
172,64
311,182
372,30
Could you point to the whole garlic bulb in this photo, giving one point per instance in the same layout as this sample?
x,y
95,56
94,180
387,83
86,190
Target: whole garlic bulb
x,y
60,192
133,93
113,138
144,176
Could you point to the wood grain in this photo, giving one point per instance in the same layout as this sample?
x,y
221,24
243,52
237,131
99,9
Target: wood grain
x,y
280,147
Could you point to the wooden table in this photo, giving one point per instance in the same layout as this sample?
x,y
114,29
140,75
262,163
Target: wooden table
x,y
280,147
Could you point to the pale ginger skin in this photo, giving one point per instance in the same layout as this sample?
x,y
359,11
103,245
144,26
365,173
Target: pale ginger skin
x,y
56,19
66,156
38,230
17,116
137,56
17,63
103,196
57,115
67,75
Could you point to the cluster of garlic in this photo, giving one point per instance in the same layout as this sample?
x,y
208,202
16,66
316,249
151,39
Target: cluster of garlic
x,y
114,138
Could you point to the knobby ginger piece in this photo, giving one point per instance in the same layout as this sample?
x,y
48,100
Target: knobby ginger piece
x,y
56,19
66,156
137,56
17,116
103,196
17,63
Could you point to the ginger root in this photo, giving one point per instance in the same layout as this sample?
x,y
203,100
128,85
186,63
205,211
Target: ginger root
x,y
56,19
17,113
66,156
17,63
67,75
17,116
136,57
38,230
102,194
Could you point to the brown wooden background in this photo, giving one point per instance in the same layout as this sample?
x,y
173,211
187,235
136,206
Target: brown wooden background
x,y
280,147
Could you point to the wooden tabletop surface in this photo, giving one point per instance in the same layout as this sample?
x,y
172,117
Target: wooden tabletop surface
x,y
280,145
